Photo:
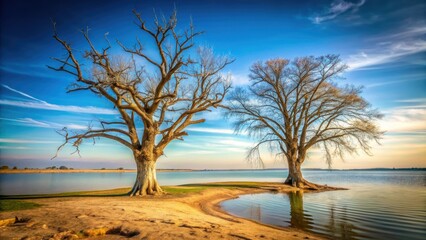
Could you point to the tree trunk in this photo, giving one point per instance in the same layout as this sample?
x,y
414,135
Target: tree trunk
x,y
146,179
295,177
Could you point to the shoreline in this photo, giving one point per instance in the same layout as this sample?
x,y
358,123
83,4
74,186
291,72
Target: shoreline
x,y
41,171
191,215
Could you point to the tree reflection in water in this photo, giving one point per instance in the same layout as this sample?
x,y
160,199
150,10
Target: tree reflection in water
x,y
339,227
255,212
336,227
298,218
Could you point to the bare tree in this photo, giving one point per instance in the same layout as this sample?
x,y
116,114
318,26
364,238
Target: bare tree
x,y
296,106
154,107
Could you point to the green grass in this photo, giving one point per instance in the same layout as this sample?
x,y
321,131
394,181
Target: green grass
x,y
173,190
183,190
99,193
230,185
14,205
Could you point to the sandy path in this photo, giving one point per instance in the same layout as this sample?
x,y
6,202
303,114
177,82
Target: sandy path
x,y
192,216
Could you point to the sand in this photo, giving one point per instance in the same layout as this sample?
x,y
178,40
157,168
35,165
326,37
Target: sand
x,y
185,216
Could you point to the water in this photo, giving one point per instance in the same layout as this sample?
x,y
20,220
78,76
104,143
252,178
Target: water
x,y
379,204
15,184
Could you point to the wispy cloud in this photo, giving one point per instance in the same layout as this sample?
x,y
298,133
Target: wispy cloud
x,y
390,47
23,94
413,100
406,119
239,79
12,140
211,130
40,104
337,8
27,69
14,148
400,79
386,53
408,32
44,124
214,145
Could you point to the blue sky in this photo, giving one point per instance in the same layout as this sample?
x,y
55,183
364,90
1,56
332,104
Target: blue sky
x,y
383,42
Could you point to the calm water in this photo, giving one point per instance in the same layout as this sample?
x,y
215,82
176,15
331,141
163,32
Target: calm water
x,y
379,204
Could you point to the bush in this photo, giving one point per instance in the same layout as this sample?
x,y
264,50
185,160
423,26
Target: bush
x,y
63,168
15,167
120,168
4,167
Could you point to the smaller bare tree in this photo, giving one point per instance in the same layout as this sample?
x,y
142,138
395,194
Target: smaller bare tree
x,y
154,107
296,106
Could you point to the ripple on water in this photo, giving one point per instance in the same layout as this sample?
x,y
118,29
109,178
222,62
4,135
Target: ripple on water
x,y
353,214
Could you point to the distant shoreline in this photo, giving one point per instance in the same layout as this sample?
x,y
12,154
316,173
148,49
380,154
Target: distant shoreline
x,y
32,171
20,171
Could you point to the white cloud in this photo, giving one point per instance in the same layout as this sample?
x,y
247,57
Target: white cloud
x,y
385,53
401,78
23,94
40,104
408,32
405,41
43,124
55,107
238,80
194,152
211,130
14,148
406,119
233,143
11,140
337,8
413,100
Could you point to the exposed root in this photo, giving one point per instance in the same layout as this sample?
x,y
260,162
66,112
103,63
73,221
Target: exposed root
x,y
146,180
304,184
145,189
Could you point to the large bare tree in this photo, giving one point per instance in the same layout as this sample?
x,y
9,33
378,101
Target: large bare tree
x,y
296,106
155,105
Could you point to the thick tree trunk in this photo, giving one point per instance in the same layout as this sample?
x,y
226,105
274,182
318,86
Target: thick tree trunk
x,y
146,179
295,177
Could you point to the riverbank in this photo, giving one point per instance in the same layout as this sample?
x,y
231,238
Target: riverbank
x,y
12,171
186,212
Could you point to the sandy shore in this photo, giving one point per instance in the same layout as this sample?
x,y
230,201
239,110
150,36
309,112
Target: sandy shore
x,y
11,171
182,216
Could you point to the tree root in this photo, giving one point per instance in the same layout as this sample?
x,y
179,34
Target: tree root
x,y
145,189
304,184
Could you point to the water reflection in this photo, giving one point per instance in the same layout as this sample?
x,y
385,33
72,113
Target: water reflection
x,y
336,226
340,227
255,212
298,217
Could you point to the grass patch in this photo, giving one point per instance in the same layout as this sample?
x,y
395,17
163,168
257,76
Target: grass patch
x,y
229,185
14,205
173,190
98,193
183,190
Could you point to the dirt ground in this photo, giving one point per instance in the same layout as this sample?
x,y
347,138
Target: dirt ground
x,y
186,216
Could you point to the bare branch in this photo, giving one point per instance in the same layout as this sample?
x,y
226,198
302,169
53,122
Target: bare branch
x,y
302,106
